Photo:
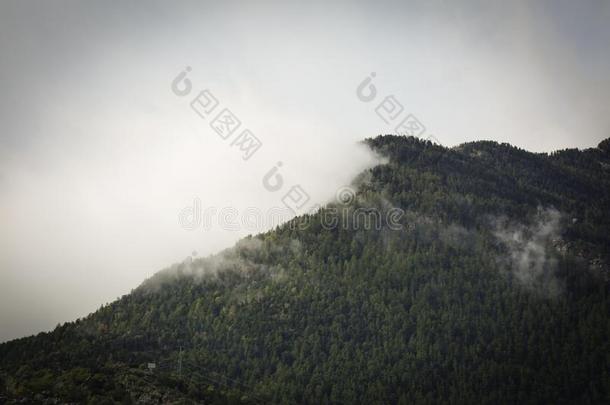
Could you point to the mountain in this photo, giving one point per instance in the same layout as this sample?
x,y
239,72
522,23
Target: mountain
x,y
473,274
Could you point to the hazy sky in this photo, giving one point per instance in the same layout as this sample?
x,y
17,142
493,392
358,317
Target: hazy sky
x,y
98,157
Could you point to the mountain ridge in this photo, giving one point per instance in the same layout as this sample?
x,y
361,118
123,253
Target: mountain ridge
x,y
496,281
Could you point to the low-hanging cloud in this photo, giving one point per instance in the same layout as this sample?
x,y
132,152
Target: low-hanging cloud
x,y
98,156
530,254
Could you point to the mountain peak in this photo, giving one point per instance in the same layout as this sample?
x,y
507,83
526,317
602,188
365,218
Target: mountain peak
x,y
447,275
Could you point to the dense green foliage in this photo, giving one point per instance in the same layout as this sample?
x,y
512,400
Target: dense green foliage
x,y
444,309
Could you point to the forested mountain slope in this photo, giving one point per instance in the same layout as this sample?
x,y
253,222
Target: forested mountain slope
x,y
474,274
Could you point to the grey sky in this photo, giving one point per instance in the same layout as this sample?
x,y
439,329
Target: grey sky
x,y
98,156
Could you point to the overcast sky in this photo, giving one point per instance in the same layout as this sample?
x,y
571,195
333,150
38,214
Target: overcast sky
x,y
99,157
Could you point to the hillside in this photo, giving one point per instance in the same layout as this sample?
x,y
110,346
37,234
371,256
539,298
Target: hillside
x,y
473,274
